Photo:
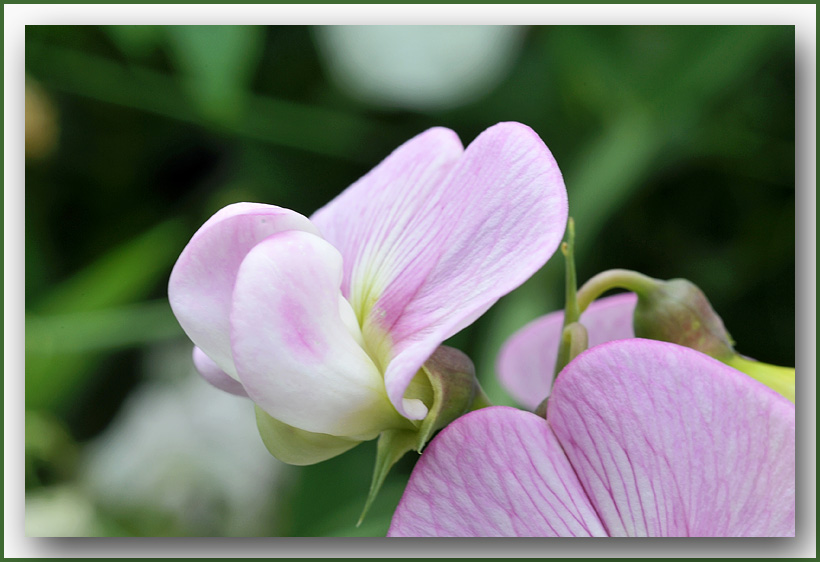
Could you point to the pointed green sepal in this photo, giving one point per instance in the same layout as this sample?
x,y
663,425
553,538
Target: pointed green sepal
x,y
447,385
392,446
297,446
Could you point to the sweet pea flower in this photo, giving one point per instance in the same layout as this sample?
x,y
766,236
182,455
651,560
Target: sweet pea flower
x,y
641,438
324,322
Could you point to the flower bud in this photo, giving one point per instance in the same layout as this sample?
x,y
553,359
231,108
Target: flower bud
x,y
677,311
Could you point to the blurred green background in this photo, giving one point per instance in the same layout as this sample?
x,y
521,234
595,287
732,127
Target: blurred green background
x,y
676,144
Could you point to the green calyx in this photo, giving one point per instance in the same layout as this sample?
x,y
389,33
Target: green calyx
x,y
447,385
677,311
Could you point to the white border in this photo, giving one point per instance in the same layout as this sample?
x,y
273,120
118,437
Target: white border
x,y
16,16
409,14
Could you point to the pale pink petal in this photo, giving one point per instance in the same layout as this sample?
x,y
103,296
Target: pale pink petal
x,y
295,346
383,214
435,238
211,372
203,278
526,362
495,472
670,442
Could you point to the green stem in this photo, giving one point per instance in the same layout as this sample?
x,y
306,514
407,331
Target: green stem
x,y
571,311
613,279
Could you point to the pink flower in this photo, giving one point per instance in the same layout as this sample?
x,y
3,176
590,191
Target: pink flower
x,y
642,438
323,322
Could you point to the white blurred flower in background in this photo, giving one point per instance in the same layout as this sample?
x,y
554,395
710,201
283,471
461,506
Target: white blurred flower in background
x,y
418,67
187,451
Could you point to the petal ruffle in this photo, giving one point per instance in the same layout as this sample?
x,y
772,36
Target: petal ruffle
x,y
295,344
669,442
211,372
203,278
439,236
526,362
495,472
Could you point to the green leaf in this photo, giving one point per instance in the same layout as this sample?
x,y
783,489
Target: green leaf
x,y
127,272
100,330
217,63
62,349
91,313
136,41
314,128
